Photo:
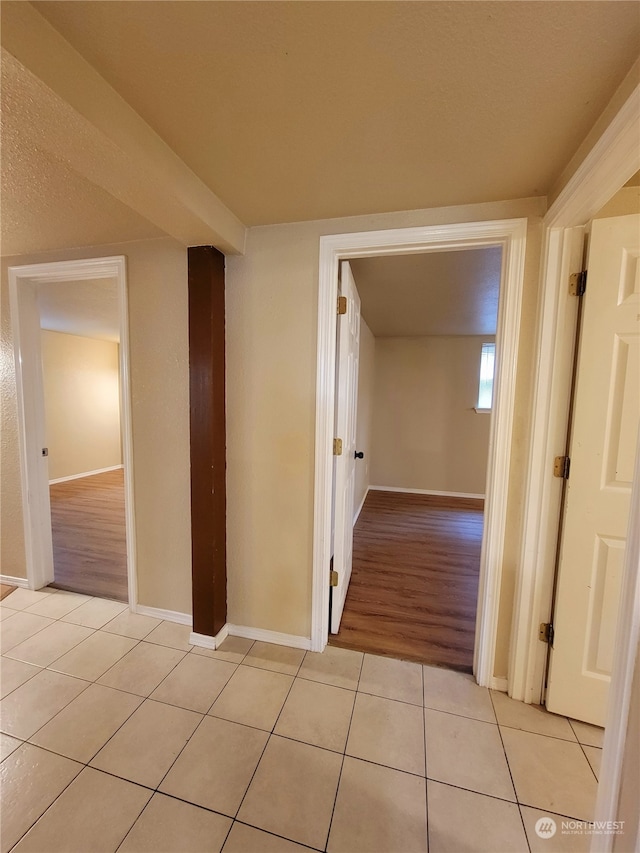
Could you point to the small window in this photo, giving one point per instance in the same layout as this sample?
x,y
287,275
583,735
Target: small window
x,y
485,387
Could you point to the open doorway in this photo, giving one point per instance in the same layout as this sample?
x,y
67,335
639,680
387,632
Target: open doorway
x,y
424,398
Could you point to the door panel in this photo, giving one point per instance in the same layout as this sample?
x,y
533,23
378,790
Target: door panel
x,y
602,454
345,464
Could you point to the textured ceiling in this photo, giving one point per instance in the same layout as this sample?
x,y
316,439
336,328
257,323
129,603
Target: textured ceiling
x,y
292,111
88,308
436,293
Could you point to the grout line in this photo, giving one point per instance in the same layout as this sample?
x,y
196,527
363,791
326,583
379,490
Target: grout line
x,y
424,743
272,834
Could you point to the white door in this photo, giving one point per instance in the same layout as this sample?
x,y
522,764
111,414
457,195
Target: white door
x,y
598,496
345,468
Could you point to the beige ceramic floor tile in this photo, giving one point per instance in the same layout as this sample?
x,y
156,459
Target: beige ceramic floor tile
x,y
31,779
7,745
457,693
13,673
317,714
95,613
253,697
550,773
33,704
293,791
171,825
132,625
467,753
489,825
216,766
563,840
148,743
392,679
588,734
379,809
530,718
338,667
247,839
20,599
94,814
58,604
233,650
276,658
171,634
594,756
94,656
388,732
48,645
7,613
195,683
19,628
87,723
142,669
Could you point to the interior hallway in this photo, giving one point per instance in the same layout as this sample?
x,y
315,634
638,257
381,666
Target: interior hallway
x,y
117,734
414,584
89,536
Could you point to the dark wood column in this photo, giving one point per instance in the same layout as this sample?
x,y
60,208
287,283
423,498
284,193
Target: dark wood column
x,y
208,462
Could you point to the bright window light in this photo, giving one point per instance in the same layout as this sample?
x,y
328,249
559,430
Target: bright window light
x,y
485,387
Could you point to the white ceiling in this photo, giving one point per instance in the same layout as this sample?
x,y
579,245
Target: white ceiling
x,y
435,293
86,308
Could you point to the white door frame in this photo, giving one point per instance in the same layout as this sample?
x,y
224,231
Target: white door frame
x,y
510,234
25,321
609,165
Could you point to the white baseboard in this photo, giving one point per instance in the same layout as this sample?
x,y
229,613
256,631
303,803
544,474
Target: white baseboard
x,y
500,684
22,582
85,474
426,492
159,613
207,642
265,636
359,510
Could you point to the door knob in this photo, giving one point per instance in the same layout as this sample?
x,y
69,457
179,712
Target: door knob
x,y
359,454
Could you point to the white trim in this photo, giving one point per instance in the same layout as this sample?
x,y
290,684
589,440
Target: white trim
x,y
426,492
21,582
500,684
356,515
30,398
265,636
204,641
510,234
158,613
85,474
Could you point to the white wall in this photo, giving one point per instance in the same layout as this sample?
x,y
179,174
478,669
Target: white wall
x,y
82,403
426,432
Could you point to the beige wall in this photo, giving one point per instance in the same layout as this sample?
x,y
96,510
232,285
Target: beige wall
x,y
82,406
426,432
624,202
159,367
365,412
272,294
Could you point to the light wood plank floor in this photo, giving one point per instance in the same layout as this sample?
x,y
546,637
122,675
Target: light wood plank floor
x,y
414,584
89,540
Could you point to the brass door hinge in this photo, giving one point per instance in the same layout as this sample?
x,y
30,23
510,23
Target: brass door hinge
x,y
545,634
333,575
342,304
561,465
578,283
337,447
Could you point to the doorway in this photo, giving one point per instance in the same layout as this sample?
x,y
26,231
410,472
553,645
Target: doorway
x,y
27,292
510,236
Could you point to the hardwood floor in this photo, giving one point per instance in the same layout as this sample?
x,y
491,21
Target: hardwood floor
x,y
89,541
6,589
414,583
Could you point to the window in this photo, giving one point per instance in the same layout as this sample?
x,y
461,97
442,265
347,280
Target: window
x,y
485,387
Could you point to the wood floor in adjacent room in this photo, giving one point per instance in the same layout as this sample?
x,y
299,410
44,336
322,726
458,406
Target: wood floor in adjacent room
x,y
414,583
89,540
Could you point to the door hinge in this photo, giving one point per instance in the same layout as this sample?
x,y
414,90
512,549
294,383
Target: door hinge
x,y
561,465
337,447
578,283
342,304
546,632
333,578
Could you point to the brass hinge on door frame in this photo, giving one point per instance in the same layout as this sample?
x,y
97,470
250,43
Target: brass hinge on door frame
x,y
337,447
578,283
342,304
546,632
561,465
333,578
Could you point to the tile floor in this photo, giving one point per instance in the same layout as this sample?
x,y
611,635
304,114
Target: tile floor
x,y
116,734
